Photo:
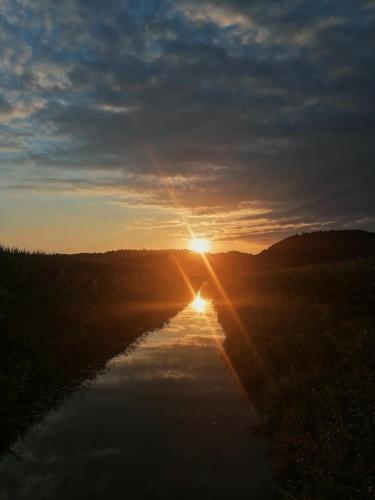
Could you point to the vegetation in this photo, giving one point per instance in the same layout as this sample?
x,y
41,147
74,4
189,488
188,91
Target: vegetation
x,y
302,341
300,338
62,317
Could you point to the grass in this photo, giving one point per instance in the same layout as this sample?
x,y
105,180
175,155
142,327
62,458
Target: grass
x,y
306,355
304,351
62,317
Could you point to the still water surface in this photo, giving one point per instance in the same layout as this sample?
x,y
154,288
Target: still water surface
x,y
165,420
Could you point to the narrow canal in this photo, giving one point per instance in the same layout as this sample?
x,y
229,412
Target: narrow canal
x,y
165,420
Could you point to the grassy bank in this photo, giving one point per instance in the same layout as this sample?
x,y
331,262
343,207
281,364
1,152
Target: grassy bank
x,y
62,317
305,351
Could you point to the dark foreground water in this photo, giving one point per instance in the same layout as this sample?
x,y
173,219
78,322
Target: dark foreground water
x,y
166,420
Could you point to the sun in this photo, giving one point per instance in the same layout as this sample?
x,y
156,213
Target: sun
x,y
199,246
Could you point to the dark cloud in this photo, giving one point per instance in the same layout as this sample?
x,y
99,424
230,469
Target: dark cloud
x,y
5,106
230,102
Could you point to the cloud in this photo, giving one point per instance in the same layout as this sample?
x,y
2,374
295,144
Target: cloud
x,y
201,106
10,112
209,12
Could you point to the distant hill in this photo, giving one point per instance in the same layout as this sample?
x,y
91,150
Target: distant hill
x,y
301,250
317,247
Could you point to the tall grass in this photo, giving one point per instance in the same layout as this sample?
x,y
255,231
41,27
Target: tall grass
x,y
310,371
62,317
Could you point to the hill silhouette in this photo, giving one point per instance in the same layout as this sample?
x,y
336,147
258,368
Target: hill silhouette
x,y
301,250
318,247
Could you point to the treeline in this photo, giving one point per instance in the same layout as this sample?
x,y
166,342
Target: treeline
x,y
302,341
63,316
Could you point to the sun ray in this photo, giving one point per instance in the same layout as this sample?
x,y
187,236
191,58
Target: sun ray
x,y
201,248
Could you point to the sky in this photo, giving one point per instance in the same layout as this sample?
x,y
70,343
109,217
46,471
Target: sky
x,y
139,123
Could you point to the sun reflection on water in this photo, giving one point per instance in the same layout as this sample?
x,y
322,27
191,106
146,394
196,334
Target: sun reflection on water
x,y
199,304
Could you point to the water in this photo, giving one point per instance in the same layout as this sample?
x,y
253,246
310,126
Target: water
x,y
166,420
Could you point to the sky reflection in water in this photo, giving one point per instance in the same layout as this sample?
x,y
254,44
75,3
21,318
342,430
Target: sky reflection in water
x,y
166,420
